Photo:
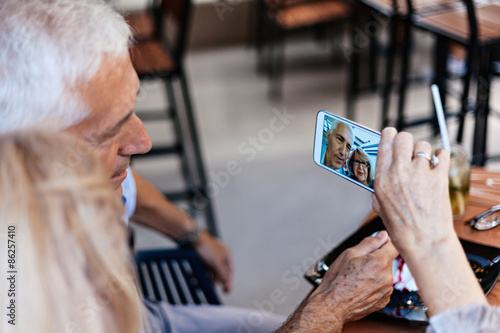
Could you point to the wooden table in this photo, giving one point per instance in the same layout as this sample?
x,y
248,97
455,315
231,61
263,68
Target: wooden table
x,y
484,193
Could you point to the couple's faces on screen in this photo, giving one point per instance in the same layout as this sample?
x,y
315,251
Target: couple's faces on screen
x,y
348,149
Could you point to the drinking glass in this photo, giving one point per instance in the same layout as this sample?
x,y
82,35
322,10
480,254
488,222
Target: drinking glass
x,y
459,179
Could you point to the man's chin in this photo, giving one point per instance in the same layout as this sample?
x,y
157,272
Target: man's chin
x,y
119,191
339,163
333,164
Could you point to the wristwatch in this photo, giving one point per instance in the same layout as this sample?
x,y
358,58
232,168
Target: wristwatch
x,y
188,239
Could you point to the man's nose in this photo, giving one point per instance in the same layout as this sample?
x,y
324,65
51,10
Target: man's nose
x,y
344,150
137,140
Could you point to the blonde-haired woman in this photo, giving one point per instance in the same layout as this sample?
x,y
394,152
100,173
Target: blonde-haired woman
x,y
360,168
60,215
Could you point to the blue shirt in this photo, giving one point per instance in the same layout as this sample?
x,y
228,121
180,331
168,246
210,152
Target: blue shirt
x,y
129,196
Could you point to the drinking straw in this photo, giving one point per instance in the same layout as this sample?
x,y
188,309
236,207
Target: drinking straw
x,y
454,179
440,115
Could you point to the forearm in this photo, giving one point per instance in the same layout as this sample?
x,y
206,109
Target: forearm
x,y
311,316
155,211
444,277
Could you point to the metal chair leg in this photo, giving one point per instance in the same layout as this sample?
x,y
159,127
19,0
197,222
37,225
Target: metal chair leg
x,y
404,75
354,63
174,114
482,109
389,70
465,94
207,202
260,36
373,60
276,77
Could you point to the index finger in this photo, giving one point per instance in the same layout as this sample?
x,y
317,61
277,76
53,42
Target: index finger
x,y
384,154
402,149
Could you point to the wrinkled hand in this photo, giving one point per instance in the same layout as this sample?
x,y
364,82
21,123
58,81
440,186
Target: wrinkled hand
x,y
358,283
217,257
412,198
413,201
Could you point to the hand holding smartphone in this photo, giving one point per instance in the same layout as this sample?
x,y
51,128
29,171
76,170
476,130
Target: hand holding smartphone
x,y
345,148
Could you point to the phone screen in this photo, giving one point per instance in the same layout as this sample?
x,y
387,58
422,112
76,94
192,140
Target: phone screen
x,y
346,149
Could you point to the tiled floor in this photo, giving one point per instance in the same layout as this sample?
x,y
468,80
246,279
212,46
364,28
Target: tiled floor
x,y
281,211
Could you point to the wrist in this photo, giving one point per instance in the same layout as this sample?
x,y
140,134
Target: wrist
x,y
190,238
313,315
456,286
435,249
329,312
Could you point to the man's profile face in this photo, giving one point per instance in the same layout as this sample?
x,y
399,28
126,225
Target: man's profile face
x,y
112,128
339,146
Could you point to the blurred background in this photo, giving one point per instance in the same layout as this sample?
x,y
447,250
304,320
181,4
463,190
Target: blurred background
x,y
255,116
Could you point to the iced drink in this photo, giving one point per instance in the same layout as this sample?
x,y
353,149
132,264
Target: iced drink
x,y
459,181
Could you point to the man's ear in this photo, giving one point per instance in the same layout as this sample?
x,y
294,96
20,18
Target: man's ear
x,y
328,135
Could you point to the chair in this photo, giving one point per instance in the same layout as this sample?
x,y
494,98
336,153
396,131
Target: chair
x,y
390,10
478,29
286,17
144,24
396,13
176,276
424,8
161,33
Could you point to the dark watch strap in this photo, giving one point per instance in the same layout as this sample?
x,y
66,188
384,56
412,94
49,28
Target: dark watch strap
x,y
189,238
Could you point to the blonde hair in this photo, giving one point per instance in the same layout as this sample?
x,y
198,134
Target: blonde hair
x,y
350,164
72,260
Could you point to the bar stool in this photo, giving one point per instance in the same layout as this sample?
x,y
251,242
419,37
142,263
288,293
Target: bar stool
x,y
396,13
285,17
391,11
478,29
162,33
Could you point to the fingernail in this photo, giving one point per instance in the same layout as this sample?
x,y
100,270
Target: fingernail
x,y
380,234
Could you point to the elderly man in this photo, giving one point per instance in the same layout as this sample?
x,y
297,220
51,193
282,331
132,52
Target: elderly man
x,y
339,143
65,66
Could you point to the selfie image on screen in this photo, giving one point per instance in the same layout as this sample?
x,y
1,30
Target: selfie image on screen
x,y
350,151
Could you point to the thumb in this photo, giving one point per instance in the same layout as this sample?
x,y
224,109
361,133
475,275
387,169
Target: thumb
x,y
371,244
223,273
227,282
388,251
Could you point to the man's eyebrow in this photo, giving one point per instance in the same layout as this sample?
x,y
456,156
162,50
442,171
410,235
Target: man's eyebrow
x,y
117,127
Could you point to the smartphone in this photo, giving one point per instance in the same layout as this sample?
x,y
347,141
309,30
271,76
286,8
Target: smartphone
x,y
345,148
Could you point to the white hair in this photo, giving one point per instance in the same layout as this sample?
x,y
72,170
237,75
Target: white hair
x,y
335,124
47,49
